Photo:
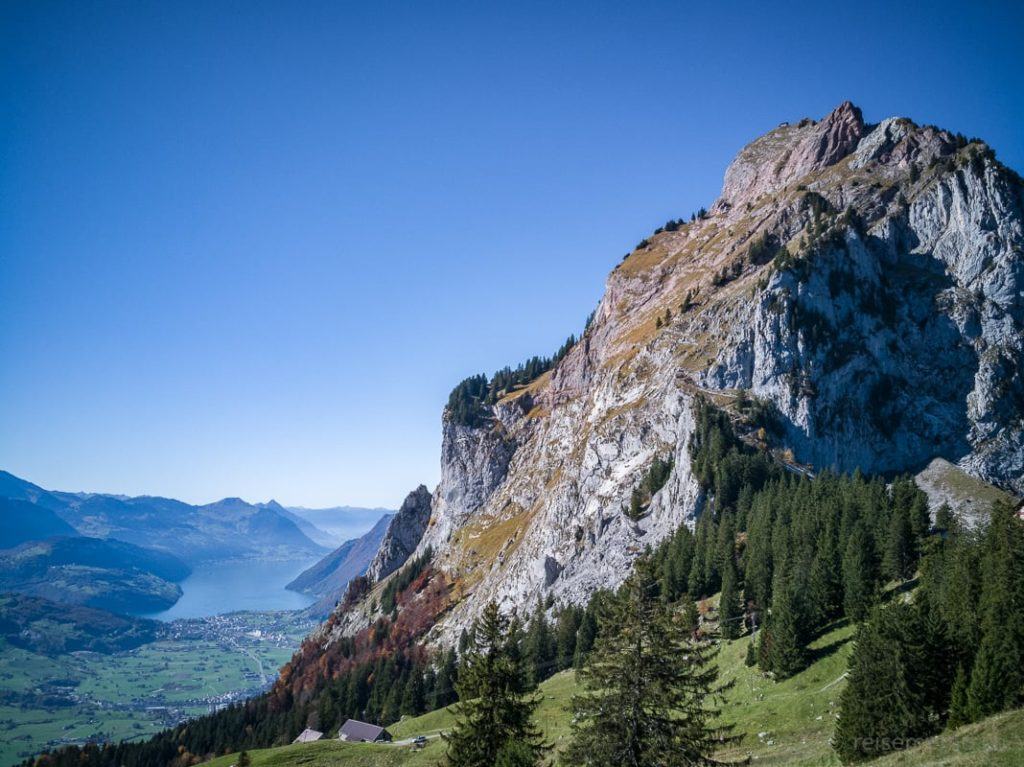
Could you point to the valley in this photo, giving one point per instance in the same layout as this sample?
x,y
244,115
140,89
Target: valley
x,y
198,666
104,640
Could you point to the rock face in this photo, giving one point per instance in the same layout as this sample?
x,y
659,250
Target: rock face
x,y
404,533
866,283
789,154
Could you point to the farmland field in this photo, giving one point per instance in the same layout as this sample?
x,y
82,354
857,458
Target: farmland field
x,y
204,663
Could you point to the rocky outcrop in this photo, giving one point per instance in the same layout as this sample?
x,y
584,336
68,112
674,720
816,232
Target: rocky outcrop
x,y
790,153
866,283
474,461
970,498
404,533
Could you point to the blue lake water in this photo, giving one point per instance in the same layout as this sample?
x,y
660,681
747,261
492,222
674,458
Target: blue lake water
x,y
224,587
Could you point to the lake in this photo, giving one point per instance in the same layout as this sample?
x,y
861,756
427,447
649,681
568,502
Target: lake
x,y
224,587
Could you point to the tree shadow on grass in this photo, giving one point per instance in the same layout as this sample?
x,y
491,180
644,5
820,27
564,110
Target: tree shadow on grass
x,y
819,653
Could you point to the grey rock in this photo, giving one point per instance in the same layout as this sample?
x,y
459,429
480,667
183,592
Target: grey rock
x,y
403,534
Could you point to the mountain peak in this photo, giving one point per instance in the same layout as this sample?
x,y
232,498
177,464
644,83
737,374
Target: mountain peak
x,y
790,152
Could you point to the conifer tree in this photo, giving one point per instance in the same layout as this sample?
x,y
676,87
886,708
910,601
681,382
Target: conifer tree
x,y
750,659
585,635
997,677
413,698
730,608
959,706
944,519
690,616
858,574
899,558
884,705
826,578
784,640
495,705
565,636
539,646
648,687
447,676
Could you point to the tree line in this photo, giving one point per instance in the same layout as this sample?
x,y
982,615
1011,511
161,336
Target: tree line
x,y
469,402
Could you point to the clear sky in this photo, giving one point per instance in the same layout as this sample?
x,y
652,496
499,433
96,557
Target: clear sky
x,y
248,248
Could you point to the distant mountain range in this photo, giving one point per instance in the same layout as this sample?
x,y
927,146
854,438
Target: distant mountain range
x,y
127,554
341,523
227,529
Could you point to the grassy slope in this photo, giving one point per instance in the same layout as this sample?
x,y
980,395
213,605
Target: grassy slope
x,y
798,714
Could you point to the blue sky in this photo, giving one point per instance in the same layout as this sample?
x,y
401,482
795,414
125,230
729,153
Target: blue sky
x,y
248,248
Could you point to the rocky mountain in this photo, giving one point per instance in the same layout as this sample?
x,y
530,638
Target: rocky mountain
x,y
376,554
855,296
405,530
225,529
105,574
328,578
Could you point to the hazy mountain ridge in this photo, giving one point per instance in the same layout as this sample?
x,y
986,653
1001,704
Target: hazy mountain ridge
x,y
865,283
343,523
226,529
25,521
328,578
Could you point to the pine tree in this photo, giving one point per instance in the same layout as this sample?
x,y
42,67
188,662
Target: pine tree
x,y
539,646
565,634
826,579
244,760
997,677
689,617
959,706
730,608
899,559
447,676
648,687
495,704
944,519
413,700
884,706
750,659
392,709
784,641
858,574
585,636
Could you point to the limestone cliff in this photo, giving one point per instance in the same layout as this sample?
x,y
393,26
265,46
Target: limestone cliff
x,y
403,534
